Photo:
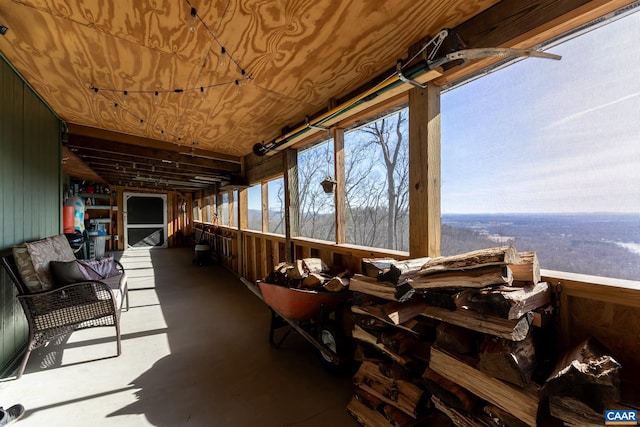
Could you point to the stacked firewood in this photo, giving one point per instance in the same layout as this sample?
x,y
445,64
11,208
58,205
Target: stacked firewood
x,y
310,273
463,340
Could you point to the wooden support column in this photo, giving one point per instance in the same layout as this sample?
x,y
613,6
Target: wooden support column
x,y
243,222
341,186
265,207
291,202
424,171
232,208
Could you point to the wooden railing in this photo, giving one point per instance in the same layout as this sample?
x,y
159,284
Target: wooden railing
x,y
605,308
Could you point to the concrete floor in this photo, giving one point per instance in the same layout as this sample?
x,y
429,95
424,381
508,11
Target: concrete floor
x,y
195,352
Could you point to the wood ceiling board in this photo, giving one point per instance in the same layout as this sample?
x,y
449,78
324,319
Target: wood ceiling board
x,y
303,53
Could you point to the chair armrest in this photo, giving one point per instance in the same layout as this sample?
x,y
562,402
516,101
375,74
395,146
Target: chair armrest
x,y
119,266
75,294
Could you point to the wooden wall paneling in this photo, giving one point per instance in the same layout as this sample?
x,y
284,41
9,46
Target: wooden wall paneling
x,y
340,193
264,258
424,171
30,191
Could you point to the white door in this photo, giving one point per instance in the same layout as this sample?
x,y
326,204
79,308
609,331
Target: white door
x,y
145,220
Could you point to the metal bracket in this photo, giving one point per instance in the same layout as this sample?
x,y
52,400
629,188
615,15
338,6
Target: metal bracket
x,y
406,79
309,125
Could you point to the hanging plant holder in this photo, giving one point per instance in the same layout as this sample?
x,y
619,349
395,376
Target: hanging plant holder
x,y
328,185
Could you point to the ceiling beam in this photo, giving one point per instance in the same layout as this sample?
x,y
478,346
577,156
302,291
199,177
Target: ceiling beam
x,y
103,134
103,146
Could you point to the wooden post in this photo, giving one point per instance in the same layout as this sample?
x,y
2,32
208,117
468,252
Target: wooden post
x,y
243,222
265,207
291,202
341,186
424,171
232,209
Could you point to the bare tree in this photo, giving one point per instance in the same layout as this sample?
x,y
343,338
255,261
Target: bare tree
x,y
388,134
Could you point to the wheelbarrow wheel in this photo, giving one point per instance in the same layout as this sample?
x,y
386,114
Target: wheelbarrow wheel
x,y
330,338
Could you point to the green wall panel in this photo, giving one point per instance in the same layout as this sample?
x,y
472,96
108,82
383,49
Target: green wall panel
x,y
30,191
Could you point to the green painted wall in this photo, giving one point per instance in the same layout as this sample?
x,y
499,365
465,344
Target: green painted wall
x,y
30,190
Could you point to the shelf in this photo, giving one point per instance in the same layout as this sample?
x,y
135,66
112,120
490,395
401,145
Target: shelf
x,y
100,220
103,207
95,195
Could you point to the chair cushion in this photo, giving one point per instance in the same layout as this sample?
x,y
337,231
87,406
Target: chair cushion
x,y
33,258
98,269
65,272
26,269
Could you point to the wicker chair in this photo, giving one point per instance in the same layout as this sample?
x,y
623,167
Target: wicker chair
x,y
60,311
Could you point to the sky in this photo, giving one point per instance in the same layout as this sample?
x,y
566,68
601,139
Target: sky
x,y
549,136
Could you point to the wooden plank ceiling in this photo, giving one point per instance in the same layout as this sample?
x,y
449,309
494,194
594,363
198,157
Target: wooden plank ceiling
x,y
284,60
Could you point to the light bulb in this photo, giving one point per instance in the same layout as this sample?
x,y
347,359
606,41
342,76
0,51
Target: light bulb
x,y
115,108
156,98
202,93
141,124
124,98
192,19
94,95
237,87
223,57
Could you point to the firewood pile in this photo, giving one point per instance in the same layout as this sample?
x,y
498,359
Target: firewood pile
x,y
468,340
311,274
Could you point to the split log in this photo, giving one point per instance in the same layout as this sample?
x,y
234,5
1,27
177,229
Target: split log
x,y
402,394
370,286
399,271
296,270
502,256
315,265
474,278
401,312
443,298
360,334
521,403
384,290
511,361
515,330
575,413
504,418
372,267
367,398
448,392
527,271
503,301
459,418
399,342
367,416
313,280
397,417
455,339
336,284
586,373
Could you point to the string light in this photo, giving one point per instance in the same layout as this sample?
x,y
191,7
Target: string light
x,y
223,57
123,105
193,19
